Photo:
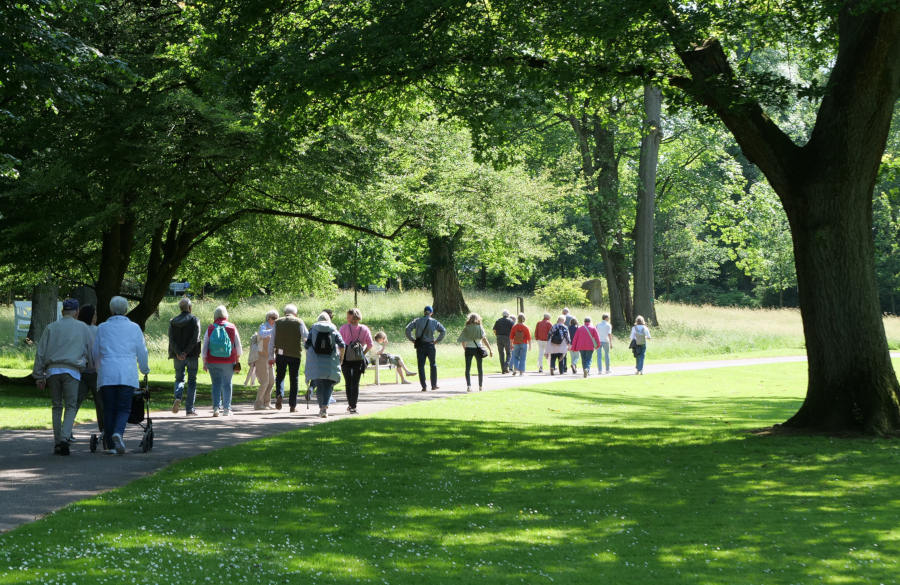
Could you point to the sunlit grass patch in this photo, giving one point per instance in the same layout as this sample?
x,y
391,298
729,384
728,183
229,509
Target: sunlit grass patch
x,y
651,479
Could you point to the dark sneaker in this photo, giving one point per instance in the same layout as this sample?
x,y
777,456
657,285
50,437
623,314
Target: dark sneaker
x,y
278,401
176,405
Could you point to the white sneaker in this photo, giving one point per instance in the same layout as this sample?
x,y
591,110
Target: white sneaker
x,y
215,412
228,412
118,444
323,413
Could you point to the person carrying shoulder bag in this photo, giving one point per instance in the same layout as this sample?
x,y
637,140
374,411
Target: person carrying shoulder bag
x,y
358,339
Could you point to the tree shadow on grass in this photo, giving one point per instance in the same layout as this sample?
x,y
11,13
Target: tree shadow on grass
x,y
453,501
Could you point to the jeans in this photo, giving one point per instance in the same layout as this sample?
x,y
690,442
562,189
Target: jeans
x,y
63,394
221,384
574,355
561,358
88,387
503,345
586,356
542,347
352,373
519,352
116,408
423,352
323,388
474,352
292,365
601,351
189,364
639,353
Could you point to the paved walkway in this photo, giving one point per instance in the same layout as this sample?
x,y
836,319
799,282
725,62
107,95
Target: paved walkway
x,y
34,482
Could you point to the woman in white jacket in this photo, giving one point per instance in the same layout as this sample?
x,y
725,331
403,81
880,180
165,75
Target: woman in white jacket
x,y
119,351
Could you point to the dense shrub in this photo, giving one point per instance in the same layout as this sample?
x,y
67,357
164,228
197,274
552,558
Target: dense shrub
x,y
562,292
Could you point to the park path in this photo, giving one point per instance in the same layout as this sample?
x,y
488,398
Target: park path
x,y
34,482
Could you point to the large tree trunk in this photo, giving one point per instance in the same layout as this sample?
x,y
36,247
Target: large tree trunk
x,y
115,255
448,295
646,206
168,249
599,166
618,317
44,299
826,189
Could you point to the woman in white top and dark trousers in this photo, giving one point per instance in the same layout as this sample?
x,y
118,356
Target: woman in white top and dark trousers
x,y
639,335
119,351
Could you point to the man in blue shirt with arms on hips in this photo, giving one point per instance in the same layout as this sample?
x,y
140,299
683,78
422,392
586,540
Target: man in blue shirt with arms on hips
x,y
421,332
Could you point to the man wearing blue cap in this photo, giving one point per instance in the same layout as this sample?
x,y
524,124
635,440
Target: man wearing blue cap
x,y
424,328
63,352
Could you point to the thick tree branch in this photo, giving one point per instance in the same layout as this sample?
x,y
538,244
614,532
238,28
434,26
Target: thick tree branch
x,y
322,220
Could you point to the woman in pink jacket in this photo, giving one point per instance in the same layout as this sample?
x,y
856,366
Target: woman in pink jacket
x,y
585,341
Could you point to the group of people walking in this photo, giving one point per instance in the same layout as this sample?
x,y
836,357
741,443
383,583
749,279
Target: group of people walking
x,y
75,358
562,341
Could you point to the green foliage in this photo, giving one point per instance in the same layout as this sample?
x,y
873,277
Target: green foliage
x,y
562,292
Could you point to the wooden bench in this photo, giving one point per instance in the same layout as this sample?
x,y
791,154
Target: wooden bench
x,y
373,364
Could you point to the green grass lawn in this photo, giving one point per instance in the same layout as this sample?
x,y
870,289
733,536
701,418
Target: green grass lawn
x,y
627,480
686,332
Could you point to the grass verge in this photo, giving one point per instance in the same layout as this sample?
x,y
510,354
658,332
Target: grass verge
x,y
610,480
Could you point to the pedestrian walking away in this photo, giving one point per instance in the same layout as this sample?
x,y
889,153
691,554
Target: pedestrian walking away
x,y
572,325
184,351
265,371
119,352
541,335
324,353
639,336
358,341
286,352
604,331
502,327
475,345
64,350
520,338
558,345
421,332
221,358
586,341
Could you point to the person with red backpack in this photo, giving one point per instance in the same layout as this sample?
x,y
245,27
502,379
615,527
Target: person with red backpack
x,y
520,339
221,354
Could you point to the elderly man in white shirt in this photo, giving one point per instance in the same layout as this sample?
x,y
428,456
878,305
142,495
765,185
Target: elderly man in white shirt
x,y
119,351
